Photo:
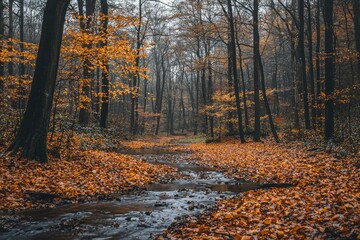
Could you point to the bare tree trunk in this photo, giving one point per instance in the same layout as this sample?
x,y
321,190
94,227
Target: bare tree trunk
x,y
243,85
302,63
134,121
311,66
295,86
234,69
352,80
210,94
196,117
31,138
329,70
256,40
275,86
266,101
318,65
230,85
356,10
159,94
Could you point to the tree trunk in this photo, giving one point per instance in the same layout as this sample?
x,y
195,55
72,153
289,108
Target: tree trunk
x,y
302,64
11,36
196,117
31,138
160,93
234,69
256,40
210,94
266,101
85,110
230,85
104,9
275,85
136,78
356,10
243,85
318,65
311,66
329,70
2,31
295,85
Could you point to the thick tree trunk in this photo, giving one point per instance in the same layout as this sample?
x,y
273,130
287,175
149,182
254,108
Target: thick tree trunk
x,y
329,70
104,8
318,65
356,10
234,69
134,116
351,81
256,40
302,64
31,138
85,110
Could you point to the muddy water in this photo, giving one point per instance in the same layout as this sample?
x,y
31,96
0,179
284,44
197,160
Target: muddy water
x,y
138,216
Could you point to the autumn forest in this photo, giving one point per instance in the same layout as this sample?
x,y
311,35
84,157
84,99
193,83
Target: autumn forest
x,y
179,119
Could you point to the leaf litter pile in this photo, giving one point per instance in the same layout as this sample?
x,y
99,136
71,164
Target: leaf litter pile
x,y
85,175
322,204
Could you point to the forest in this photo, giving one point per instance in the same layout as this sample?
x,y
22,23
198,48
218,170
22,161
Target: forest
x,y
179,119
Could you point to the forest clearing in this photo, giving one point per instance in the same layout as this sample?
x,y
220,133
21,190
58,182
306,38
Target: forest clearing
x,y
179,119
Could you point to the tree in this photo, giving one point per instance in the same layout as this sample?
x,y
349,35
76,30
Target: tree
x,y
318,65
256,40
104,8
356,10
85,109
310,65
266,101
134,114
31,138
302,64
11,35
234,69
329,69
2,30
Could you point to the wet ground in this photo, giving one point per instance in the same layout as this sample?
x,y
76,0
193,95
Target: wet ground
x,y
142,215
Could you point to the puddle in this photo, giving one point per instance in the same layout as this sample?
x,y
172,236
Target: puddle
x,y
138,216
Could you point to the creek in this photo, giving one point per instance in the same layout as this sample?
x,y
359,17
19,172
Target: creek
x,y
141,215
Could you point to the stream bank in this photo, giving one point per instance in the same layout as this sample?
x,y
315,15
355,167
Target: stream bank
x,y
140,215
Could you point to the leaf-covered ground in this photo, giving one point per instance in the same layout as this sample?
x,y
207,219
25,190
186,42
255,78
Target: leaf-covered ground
x,y
322,204
81,177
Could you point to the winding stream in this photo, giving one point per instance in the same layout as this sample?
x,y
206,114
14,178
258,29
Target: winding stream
x,y
142,215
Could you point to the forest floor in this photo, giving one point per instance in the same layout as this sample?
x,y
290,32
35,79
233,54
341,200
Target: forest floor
x,y
80,176
320,199
322,203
